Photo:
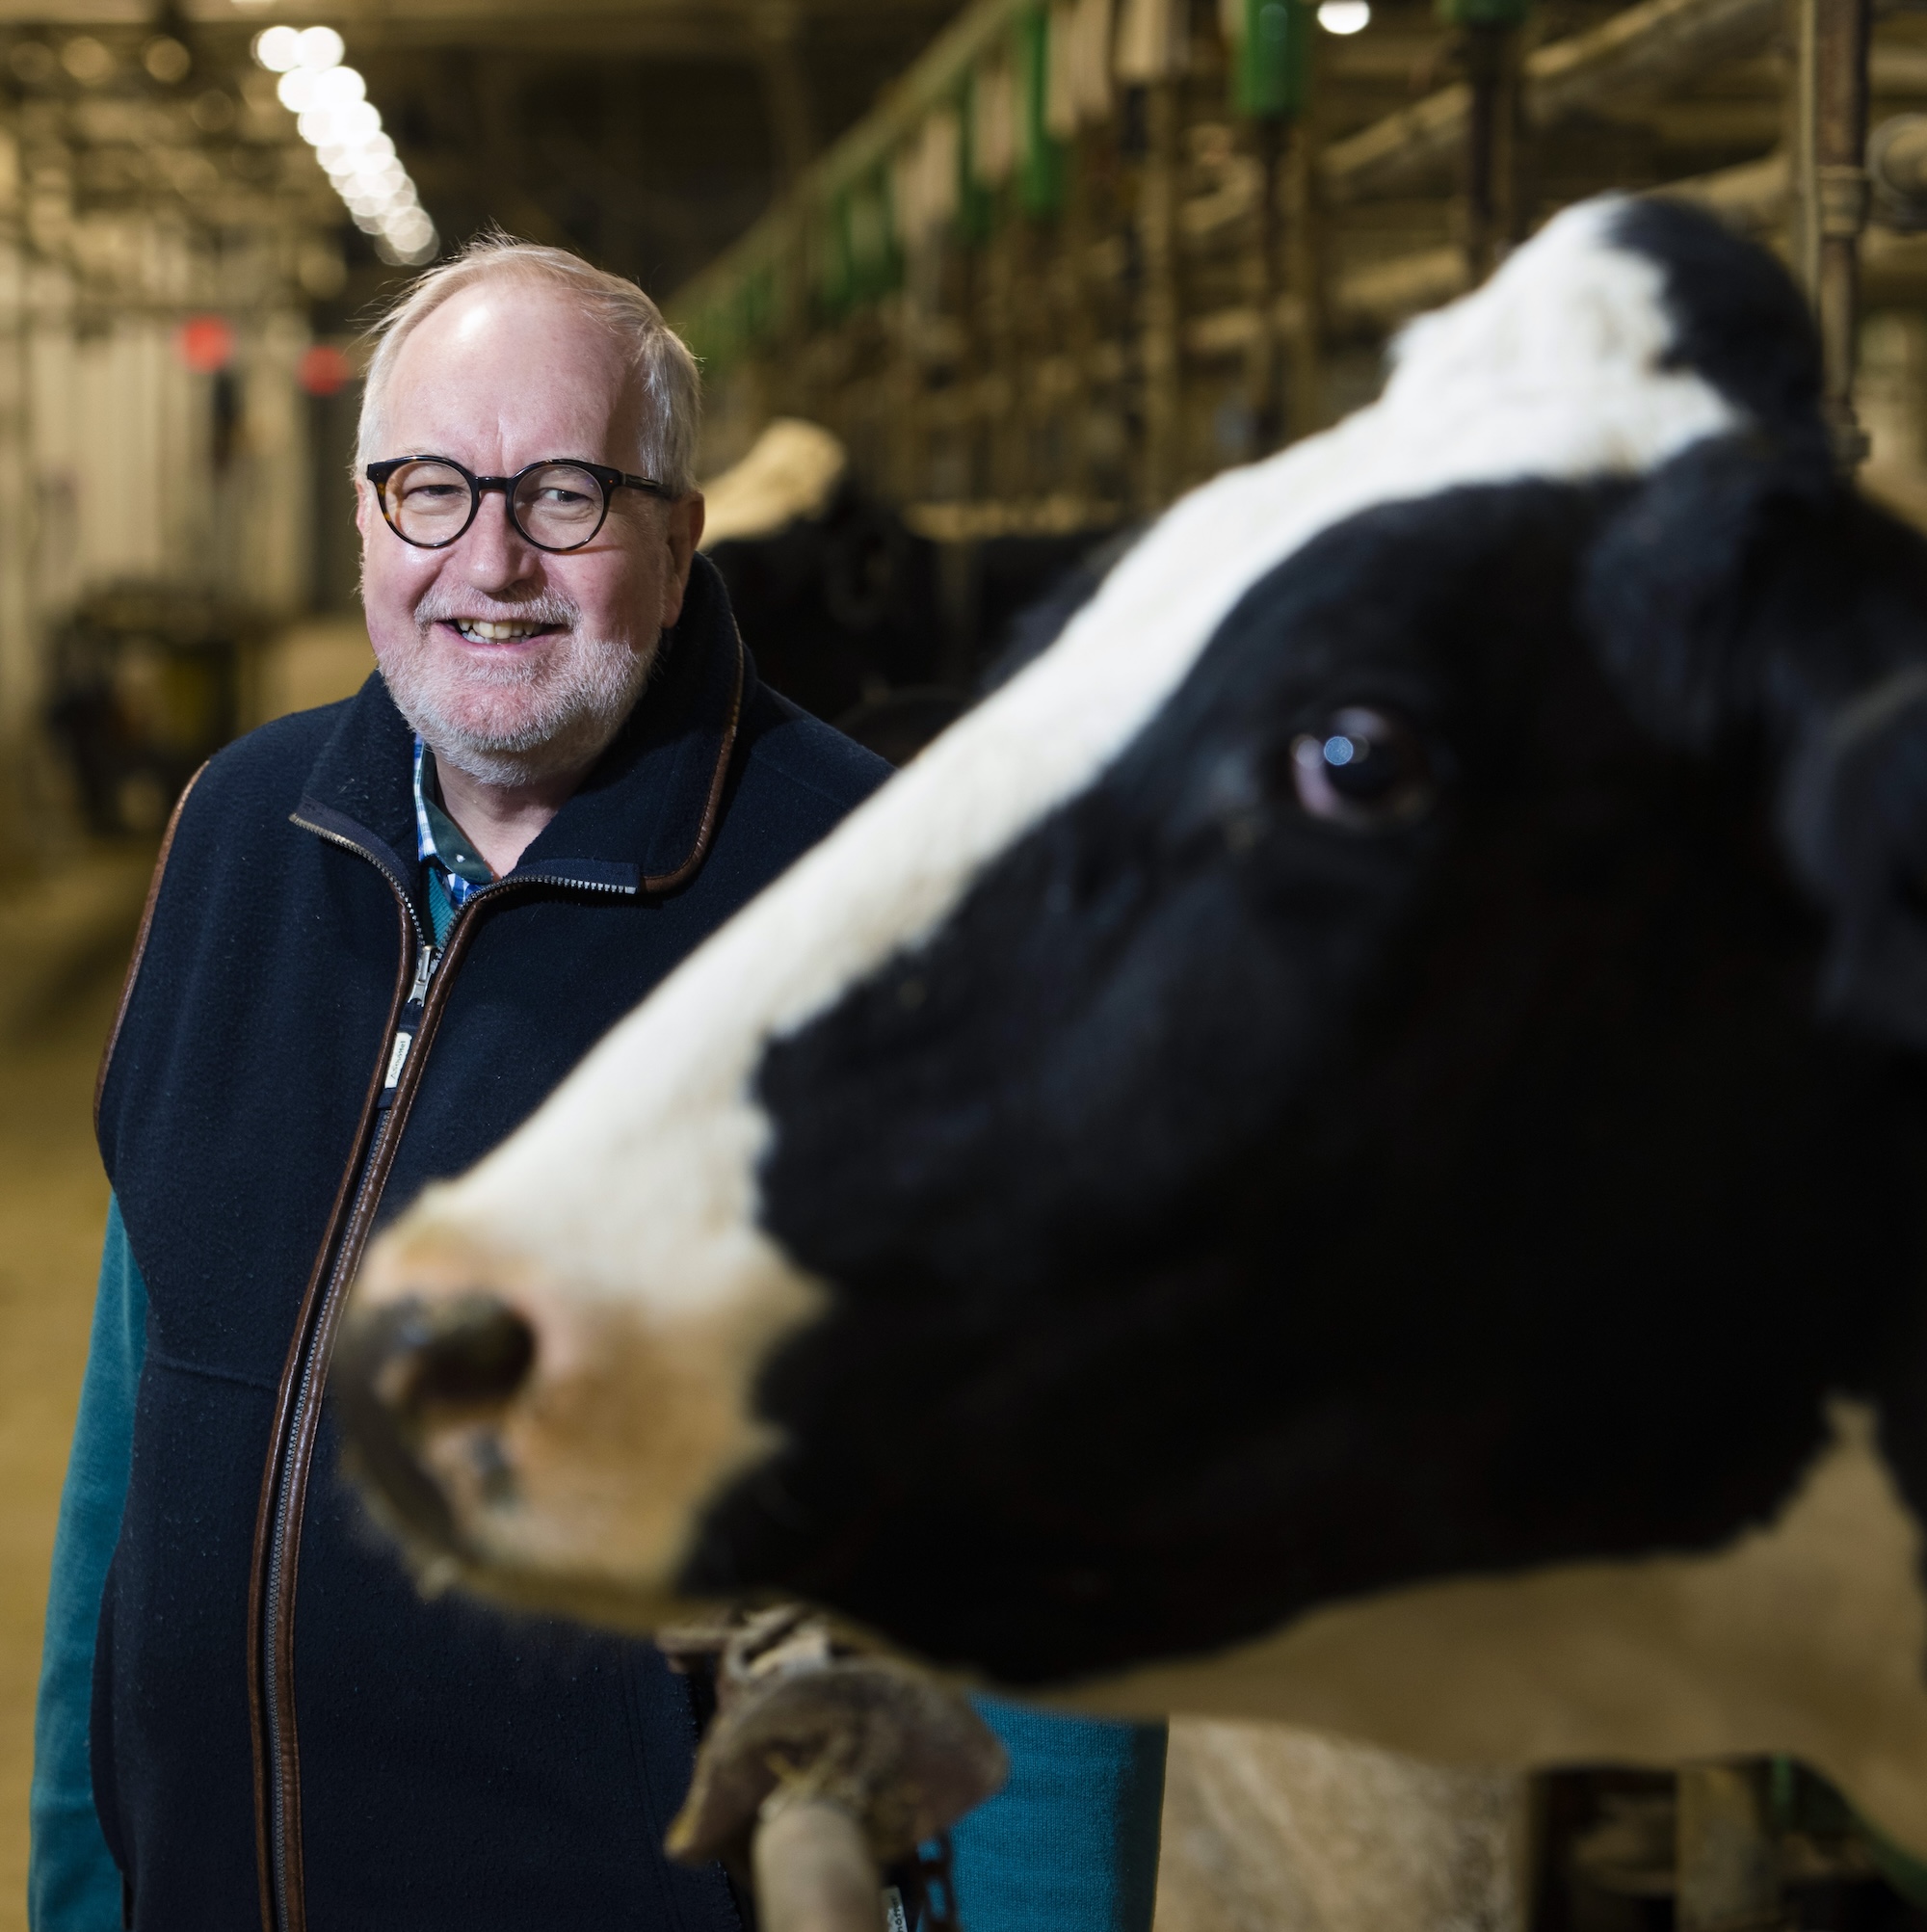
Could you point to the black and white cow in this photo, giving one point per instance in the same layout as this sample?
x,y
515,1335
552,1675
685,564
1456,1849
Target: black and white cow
x,y
1350,1147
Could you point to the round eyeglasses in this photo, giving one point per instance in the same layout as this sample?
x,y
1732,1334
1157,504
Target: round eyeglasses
x,y
557,504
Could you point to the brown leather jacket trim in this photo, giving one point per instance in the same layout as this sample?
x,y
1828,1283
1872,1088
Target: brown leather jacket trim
x,y
712,809
334,1248
337,1264
140,944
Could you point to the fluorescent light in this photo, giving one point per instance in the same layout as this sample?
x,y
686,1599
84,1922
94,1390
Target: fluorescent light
x,y
343,126
277,49
1345,16
338,87
348,126
321,47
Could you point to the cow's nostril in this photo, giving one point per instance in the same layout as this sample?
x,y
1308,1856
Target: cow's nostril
x,y
399,1367
472,1352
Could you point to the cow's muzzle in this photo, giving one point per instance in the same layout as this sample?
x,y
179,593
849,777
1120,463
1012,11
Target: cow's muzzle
x,y
403,1367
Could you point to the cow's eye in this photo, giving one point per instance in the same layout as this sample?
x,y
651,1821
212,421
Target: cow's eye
x,y
1363,768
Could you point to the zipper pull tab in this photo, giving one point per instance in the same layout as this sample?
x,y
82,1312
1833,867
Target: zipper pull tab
x,y
426,962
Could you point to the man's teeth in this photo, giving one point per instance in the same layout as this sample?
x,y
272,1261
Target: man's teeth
x,y
482,631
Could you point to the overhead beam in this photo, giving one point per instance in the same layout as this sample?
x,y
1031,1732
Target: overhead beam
x,y
734,30
1639,50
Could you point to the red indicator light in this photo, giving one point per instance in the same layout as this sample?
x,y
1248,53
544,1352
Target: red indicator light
x,y
324,370
205,343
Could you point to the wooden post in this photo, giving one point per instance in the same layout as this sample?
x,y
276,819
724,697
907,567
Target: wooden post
x,y
1264,389
1491,151
1005,430
776,29
1303,282
1728,1878
1158,341
1829,198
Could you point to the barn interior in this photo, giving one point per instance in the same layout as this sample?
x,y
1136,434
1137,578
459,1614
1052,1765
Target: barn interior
x,y
979,286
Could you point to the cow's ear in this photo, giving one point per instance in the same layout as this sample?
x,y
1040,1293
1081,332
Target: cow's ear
x,y
1673,588
1744,589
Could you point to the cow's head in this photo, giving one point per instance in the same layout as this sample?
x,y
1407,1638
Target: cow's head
x,y
1423,965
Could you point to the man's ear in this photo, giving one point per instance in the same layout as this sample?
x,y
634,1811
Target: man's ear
x,y
685,532
1672,590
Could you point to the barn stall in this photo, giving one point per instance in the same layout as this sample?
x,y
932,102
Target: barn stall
x,y
1084,255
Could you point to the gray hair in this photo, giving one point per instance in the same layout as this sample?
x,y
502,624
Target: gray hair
x,y
667,369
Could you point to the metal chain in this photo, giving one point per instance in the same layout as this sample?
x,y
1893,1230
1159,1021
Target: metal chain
x,y
930,1890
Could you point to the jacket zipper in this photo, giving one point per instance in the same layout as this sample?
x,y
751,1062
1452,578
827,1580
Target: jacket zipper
x,y
278,1627
290,1457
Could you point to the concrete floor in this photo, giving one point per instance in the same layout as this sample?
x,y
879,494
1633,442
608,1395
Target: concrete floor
x,y
53,1199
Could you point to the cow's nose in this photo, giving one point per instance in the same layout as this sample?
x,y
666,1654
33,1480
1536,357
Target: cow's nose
x,y
466,1352
402,1366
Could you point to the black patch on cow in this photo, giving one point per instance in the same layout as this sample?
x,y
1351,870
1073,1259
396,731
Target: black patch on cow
x,y
1228,1213
1737,318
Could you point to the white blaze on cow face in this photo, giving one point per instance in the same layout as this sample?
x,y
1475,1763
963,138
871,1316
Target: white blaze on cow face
x,y
621,1221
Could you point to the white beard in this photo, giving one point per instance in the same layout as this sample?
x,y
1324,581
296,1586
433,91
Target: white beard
x,y
516,724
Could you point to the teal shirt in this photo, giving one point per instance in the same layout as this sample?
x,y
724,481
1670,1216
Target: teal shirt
x,y
1068,1845
72,1882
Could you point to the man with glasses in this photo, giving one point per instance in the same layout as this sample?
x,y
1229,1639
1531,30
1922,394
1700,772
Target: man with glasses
x,y
379,935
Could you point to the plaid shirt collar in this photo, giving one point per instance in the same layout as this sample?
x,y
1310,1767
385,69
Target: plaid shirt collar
x,y
440,840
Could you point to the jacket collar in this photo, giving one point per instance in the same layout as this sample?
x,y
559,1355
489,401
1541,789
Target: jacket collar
x,y
642,821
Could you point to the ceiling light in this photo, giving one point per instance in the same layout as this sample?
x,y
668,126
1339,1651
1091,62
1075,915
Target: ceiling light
x,y
321,47
277,49
343,126
346,127
1345,16
338,87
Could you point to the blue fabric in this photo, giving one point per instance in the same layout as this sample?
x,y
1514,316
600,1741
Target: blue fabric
x,y
72,1882
1070,1844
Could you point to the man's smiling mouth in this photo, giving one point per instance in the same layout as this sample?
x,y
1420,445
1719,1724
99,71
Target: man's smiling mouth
x,y
488,630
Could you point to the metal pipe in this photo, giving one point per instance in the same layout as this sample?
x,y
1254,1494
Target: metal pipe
x,y
1831,197
815,1872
